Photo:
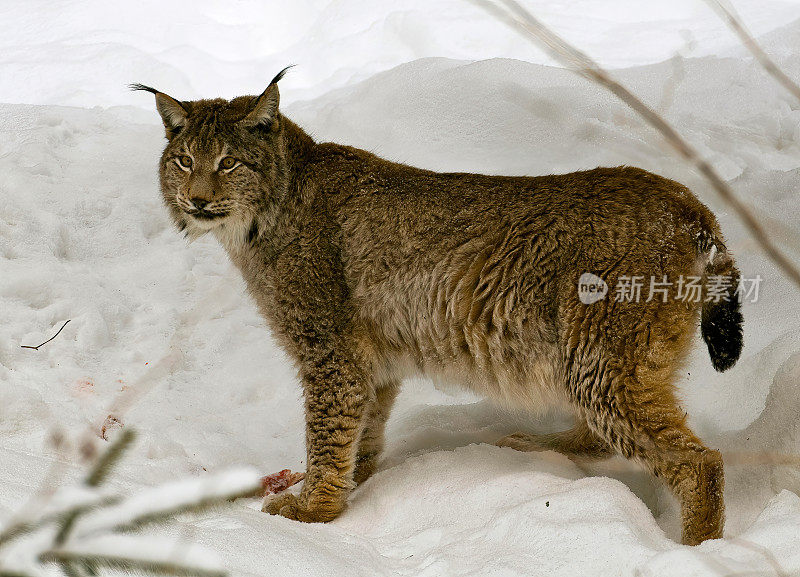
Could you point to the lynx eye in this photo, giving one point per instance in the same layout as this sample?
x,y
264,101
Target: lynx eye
x,y
228,163
185,161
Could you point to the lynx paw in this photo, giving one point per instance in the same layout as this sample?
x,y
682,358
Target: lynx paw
x,y
284,504
521,442
296,508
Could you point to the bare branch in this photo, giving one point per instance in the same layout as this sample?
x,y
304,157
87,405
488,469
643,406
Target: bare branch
x,y
526,24
762,458
36,348
728,14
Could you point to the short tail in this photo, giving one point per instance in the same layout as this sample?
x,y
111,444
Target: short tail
x,y
721,318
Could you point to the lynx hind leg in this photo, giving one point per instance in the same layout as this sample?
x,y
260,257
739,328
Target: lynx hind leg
x,y
372,438
579,441
642,421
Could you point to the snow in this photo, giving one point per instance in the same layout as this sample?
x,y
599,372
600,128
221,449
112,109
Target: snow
x,y
84,52
164,338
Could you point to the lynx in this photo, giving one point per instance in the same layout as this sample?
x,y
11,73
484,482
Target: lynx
x,y
368,271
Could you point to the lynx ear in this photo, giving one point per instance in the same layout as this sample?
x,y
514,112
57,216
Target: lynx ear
x,y
173,113
264,109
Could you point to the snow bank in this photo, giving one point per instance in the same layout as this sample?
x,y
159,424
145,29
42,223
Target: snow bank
x,y
85,53
83,236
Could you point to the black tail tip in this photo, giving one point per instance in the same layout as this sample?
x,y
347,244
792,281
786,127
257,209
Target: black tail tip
x,y
721,327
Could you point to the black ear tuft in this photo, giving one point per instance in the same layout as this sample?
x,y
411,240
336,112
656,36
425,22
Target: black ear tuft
x,y
138,86
173,112
278,76
264,108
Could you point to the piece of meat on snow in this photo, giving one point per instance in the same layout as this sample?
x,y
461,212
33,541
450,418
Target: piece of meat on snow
x,y
277,482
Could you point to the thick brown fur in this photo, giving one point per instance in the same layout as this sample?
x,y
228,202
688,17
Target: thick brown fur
x,y
368,271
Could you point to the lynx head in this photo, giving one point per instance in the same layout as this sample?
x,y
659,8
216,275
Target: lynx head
x,y
224,161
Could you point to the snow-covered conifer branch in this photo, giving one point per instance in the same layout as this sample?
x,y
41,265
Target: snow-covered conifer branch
x,y
127,553
97,474
109,458
162,503
81,529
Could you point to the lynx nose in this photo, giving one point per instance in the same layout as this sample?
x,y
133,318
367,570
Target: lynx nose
x,y
199,203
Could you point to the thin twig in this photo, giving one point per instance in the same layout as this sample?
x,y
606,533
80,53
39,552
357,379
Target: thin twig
x,y
727,13
761,458
617,464
525,23
36,348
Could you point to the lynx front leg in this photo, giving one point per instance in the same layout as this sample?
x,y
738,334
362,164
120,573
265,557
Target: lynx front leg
x,y
336,397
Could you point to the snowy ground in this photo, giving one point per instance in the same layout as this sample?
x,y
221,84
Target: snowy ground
x,y
83,236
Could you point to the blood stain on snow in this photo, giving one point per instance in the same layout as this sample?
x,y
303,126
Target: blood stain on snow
x,y
84,386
